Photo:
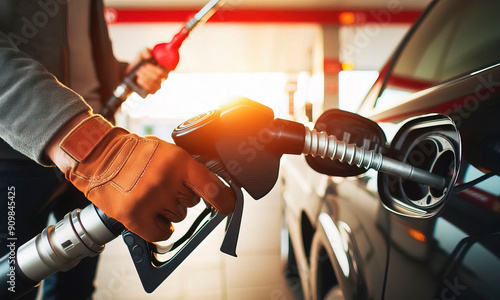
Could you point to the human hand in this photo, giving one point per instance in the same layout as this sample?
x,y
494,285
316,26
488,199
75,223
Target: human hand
x,y
149,76
144,183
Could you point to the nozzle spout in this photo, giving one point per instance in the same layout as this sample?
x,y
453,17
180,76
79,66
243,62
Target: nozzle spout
x,y
327,146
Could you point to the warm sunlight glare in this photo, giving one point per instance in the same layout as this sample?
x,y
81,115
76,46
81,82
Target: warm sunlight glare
x,y
186,95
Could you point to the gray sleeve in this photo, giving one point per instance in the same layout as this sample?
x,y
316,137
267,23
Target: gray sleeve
x,y
34,105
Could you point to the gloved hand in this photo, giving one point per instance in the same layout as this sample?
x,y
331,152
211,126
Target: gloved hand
x,y
144,183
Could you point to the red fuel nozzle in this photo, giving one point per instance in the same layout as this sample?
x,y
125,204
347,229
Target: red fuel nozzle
x,y
167,54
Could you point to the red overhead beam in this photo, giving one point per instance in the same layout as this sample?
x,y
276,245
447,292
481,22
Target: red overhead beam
x,y
330,17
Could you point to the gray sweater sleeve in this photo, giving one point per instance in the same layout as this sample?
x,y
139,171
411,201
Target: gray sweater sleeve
x,y
34,105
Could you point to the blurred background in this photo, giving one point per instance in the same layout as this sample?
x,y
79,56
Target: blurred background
x,y
297,57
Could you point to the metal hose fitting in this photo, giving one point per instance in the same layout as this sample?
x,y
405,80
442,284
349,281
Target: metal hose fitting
x,y
327,146
82,233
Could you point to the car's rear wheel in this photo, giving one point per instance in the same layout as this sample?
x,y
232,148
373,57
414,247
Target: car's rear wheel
x,y
324,280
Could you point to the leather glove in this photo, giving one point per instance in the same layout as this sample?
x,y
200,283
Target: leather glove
x,y
144,183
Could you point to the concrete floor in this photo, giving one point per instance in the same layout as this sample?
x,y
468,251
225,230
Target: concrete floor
x,y
207,273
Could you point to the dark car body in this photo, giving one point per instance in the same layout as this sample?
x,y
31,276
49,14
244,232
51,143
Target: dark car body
x,y
344,242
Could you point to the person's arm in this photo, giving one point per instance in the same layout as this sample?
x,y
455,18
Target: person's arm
x,y
144,183
33,104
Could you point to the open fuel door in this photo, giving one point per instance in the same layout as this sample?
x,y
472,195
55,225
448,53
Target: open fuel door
x,y
431,143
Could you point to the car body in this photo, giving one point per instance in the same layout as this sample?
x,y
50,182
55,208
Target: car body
x,y
342,239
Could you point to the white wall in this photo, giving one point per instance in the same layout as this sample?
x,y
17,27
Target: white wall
x,y
225,47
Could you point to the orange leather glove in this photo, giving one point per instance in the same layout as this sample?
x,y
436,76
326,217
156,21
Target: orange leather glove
x,y
144,183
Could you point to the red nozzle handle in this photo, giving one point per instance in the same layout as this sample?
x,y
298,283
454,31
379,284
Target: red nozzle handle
x,y
167,54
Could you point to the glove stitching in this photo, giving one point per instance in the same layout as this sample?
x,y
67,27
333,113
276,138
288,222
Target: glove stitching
x,y
117,187
122,189
102,183
120,166
93,181
93,178
145,168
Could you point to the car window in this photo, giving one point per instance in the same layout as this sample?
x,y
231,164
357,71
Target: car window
x,y
456,38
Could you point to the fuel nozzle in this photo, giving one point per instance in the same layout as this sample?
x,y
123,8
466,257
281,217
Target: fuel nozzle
x,y
294,138
245,142
328,146
163,54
